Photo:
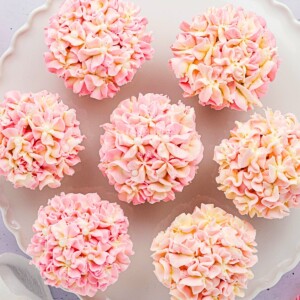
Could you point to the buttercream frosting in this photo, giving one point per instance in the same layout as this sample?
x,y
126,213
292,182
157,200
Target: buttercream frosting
x,y
80,243
97,46
227,57
259,165
150,149
205,255
40,139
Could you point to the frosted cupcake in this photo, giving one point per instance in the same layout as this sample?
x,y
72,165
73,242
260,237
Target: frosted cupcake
x,y
97,46
151,149
80,243
40,139
227,57
260,165
205,255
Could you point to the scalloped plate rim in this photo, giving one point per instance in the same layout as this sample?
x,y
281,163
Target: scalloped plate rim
x,y
286,266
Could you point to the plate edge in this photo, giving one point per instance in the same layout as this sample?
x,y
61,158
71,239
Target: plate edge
x,y
25,27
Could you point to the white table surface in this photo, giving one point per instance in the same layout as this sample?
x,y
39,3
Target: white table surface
x,y
13,14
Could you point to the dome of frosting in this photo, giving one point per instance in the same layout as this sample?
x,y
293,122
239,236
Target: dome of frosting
x,y
227,57
80,243
259,165
39,139
97,46
205,255
151,149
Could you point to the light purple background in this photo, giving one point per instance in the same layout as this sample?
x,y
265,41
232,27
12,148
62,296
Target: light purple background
x,y
13,14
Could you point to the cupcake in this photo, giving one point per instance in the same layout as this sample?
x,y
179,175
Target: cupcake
x,y
80,243
205,255
97,46
39,139
227,57
151,149
259,165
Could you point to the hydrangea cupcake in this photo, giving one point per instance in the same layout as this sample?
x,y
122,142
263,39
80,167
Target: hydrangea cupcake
x,y
97,46
227,57
40,139
260,165
205,255
151,149
80,243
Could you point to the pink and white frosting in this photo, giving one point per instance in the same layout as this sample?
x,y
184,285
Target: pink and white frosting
x,y
227,57
39,139
260,165
151,149
205,255
97,46
80,243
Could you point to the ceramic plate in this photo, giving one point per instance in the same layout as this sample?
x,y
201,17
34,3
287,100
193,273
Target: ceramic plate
x,y
23,68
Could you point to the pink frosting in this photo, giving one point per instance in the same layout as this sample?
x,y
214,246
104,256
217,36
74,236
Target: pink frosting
x,y
80,243
97,46
260,165
205,255
39,139
227,57
150,149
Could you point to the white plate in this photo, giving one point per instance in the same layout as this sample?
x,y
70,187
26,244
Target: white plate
x,y
23,68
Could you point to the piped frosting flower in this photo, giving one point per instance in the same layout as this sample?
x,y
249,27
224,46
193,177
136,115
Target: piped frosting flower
x,y
80,243
39,139
97,46
150,149
227,57
205,255
260,165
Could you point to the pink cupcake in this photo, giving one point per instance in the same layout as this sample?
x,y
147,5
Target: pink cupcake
x,y
40,139
151,149
227,57
80,243
205,255
259,165
97,46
